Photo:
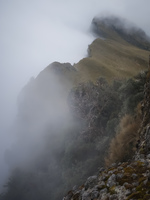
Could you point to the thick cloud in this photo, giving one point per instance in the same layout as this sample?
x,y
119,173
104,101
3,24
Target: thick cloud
x,y
35,33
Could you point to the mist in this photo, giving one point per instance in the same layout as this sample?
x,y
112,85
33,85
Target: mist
x,y
42,110
37,33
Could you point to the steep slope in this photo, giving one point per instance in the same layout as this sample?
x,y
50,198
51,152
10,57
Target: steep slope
x,y
120,50
123,180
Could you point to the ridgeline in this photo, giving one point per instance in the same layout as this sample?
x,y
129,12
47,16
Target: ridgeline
x,y
74,120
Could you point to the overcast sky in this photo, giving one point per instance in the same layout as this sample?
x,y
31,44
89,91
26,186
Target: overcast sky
x,y
34,33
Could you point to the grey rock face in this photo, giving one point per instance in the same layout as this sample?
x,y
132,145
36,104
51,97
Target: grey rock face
x,y
101,185
86,196
91,181
119,176
103,191
111,181
134,176
94,194
148,156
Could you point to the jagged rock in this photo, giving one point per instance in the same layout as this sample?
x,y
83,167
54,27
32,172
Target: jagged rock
x,y
104,197
86,196
103,191
101,169
94,194
113,197
120,168
103,177
145,182
133,190
134,176
148,156
69,195
91,181
111,181
121,192
74,188
101,185
119,176
113,165
128,192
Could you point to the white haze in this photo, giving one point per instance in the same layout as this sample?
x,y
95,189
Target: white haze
x,y
34,33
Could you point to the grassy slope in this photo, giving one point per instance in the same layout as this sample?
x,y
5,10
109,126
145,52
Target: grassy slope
x,y
110,59
114,56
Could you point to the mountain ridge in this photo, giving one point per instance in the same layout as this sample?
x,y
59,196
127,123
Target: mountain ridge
x,y
68,116
112,27
110,54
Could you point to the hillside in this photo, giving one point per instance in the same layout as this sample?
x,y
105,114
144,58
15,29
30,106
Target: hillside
x,y
123,180
117,51
119,29
73,120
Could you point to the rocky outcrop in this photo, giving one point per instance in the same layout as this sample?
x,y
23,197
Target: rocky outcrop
x,y
128,180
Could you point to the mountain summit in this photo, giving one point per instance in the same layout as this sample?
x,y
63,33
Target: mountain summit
x,y
120,50
120,29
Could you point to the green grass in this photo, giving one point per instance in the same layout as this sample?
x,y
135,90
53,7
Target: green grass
x,y
111,59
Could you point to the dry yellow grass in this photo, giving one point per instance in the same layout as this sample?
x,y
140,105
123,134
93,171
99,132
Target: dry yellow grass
x,y
123,145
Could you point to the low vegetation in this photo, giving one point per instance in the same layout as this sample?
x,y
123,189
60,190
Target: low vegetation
x,y
123,146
